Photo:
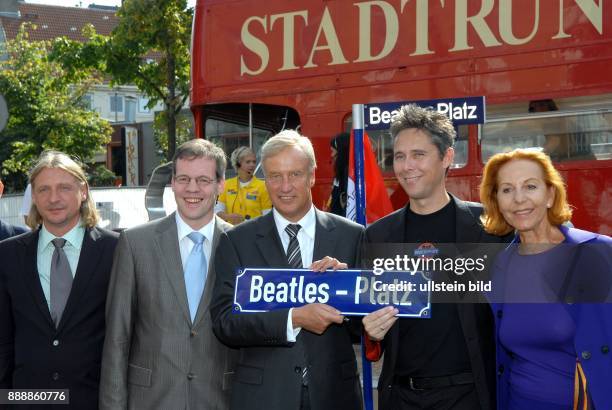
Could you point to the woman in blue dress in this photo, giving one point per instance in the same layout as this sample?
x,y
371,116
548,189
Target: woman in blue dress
x,y
553,327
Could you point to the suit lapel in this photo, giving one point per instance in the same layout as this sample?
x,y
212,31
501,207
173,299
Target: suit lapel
x,y
166,242
86,269
467,228
397,231
268,242
325,237
220,227
31,276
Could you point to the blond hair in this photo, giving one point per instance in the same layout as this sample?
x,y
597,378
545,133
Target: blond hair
x,y
59,160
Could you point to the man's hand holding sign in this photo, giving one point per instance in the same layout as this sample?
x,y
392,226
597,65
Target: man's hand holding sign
x,y
316,317
378,323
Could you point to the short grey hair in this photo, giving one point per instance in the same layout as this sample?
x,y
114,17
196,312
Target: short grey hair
x,y
286,139
436,125
201,148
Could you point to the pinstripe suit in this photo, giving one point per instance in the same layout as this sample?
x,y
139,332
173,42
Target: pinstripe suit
x,y
154,357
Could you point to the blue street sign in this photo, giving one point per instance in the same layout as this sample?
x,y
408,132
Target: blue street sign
x,y
352,292
469,110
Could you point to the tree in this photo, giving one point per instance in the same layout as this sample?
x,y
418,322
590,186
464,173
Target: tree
x,y
45,109
183,133
148,48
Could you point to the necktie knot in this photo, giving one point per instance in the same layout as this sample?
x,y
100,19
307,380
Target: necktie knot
x,y
292,230
58,243
197,238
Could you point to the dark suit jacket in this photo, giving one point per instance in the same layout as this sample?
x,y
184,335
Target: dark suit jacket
x,y
476,319
8,230
33,353
268,375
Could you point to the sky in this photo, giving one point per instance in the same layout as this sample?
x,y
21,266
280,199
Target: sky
x,y
85,3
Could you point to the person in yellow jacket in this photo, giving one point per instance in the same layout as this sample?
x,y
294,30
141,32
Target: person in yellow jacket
x,y
245,196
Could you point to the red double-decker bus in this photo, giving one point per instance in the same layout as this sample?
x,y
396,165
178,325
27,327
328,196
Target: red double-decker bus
x,y
545,68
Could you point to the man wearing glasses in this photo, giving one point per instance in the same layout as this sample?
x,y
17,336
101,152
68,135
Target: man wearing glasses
x,y
159,350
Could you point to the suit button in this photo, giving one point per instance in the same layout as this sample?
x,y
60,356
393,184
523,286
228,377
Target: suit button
x,y
191,376
55,376
193,333
500,370
586,355
56,342
298,369
605,349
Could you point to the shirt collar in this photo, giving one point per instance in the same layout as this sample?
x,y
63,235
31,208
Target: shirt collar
x,y
184,229
308,222
73,237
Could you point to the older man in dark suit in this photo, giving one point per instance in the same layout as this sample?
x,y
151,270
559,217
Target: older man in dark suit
x,y
299,358
8,230
53,284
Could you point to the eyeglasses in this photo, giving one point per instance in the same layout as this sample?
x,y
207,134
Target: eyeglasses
x,y
202,181
293,176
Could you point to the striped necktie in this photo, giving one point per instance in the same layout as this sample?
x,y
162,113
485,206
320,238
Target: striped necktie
x,y
294,256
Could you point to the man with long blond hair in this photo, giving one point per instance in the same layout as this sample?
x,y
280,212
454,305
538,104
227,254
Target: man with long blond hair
x,y
53,284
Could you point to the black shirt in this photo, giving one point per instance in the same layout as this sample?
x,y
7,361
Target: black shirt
x,y
435,346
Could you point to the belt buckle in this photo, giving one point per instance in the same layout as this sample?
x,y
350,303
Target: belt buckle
x,y
411,382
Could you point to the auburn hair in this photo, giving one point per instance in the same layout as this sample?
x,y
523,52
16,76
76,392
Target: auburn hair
x,y
492,219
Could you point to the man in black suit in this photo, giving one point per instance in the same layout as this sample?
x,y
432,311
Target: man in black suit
x,y
446,361
8,230
53,285
299,358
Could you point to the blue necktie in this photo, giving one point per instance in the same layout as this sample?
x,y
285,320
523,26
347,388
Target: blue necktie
x,y
195,273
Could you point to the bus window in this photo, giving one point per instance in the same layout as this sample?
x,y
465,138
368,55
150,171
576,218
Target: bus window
x,y
382,143
564,136
233,125
461,147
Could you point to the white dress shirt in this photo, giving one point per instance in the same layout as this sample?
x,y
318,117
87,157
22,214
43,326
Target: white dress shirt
x,y
306,239
186,244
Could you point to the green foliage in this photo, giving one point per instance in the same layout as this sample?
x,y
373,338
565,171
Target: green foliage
x,y
184,132
148,48
45,109
101,176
